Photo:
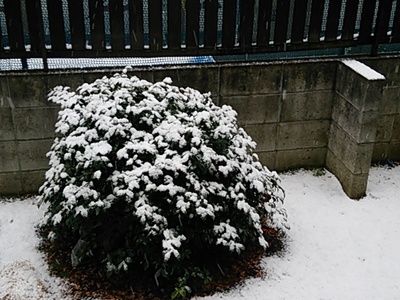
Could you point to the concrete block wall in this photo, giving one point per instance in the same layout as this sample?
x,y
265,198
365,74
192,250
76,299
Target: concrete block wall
x,y
286,108
291,109
354,125
387,142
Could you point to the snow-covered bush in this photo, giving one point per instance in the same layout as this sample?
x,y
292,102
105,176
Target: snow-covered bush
x,y
154,177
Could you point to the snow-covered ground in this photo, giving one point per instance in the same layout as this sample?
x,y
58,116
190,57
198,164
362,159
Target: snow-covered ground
x,y
337,248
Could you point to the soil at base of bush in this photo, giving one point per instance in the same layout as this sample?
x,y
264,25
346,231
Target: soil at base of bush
x,y
87,282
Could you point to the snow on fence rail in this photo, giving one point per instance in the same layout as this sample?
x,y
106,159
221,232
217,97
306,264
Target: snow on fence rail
x,y
115,28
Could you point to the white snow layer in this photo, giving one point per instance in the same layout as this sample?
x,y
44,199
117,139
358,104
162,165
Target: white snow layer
x,y
363,70
337,248
23,270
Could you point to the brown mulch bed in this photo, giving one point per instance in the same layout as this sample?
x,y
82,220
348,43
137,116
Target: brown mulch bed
x,y
89,283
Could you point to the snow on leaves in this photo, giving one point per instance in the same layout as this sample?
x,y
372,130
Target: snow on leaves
x,y
162,157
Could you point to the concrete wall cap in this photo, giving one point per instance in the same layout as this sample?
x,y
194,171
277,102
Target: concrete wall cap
x,y
363,69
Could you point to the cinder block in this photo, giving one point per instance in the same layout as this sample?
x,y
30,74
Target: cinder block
x,y
311,76
254,109
354,185
4,92
384,128
250,79
307,134
356,157
10,184
364,94
301,158
264,135
389,67
360,125
267,158
73,80
390,100
32,154
9,156
396,129
35,123
381,152
203,78
306,106
28,91
6,125
394,151
32,181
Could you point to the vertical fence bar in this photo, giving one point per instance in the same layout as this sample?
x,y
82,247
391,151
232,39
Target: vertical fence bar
x,y
156,25
264,21
119,32
127,25
324,20
67,25
146,26
255,22
247,24
77,25
350,18
341,19
107,25
97,25
396,25
307,21
210,30
86,18
290,22
272,22
136,25
25,28
174,26
57,25
300,20
375,17
183,24
358,19
229,24
220,17
202,20
331,33
164,16
193,21
46,25
281,24
314,32
366,22
236,42
3,24
391,18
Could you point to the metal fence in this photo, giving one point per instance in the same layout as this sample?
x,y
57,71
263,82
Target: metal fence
x,y
126,28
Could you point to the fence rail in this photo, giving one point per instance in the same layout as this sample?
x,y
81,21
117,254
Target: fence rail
x,y
105,28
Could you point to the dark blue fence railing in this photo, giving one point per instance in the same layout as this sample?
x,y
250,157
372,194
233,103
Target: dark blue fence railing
x,y
116,28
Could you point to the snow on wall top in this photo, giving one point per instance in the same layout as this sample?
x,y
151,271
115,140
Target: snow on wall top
x,y
363,69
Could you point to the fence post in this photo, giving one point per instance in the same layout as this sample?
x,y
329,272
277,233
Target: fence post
x,y
378,30
41,36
